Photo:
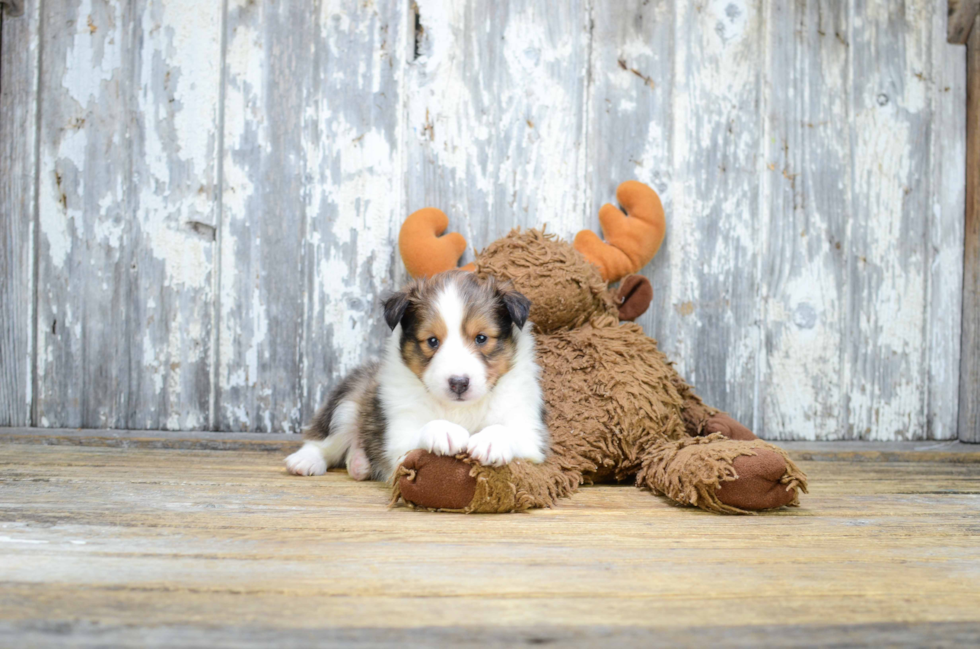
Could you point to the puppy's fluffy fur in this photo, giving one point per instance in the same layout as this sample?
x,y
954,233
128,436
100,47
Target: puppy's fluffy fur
x,y
458,375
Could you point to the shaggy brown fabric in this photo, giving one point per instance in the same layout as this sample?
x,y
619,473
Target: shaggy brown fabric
x,y
696,470
616,408
567,290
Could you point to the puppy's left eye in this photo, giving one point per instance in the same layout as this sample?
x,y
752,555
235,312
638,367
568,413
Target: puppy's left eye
x,y
481,339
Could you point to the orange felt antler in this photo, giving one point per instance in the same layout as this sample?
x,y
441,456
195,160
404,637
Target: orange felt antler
x,y
423,250
631,241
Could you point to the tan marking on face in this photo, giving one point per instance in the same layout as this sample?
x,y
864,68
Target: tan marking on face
x,y
499,364
417,352
497,353
413,357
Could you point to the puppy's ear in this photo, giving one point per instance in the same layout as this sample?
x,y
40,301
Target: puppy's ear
x,y
518,307
395,307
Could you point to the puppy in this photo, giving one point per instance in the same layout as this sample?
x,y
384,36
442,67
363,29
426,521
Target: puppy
x,y
458,375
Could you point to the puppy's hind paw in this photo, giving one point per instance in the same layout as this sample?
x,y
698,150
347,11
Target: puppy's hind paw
x,y
358,465
306,461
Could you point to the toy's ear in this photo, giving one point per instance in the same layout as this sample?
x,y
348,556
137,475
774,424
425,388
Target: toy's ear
x,y
633,297
395,307
632,239
424,248
518,307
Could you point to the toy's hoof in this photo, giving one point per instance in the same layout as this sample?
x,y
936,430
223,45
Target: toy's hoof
x,y
758,484
724,424
435,481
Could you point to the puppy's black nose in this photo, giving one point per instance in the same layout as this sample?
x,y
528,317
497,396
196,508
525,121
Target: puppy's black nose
x,y
459,384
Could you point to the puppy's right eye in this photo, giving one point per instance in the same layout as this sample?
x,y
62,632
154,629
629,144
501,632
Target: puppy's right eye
x,y
433,342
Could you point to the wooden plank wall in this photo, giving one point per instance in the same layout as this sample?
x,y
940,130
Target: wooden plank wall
x,y
969,420
18,141
219,189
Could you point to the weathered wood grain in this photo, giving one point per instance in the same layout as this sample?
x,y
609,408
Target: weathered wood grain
x,y
269,64
969,388
961,14
884,360
126,212
211,256
283,444
795,281
676,103
944,251
496,128
312,202
353,130
806,190
204,540
631,136
19,52
892,634
715,132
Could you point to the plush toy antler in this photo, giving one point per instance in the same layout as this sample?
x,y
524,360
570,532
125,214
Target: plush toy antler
x,y
423,248
632,239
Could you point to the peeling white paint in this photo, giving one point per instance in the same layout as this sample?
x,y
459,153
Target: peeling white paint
x,y
95,54
529,107
815,329
185,257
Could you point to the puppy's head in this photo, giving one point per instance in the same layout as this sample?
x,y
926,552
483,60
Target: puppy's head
x,y
457,332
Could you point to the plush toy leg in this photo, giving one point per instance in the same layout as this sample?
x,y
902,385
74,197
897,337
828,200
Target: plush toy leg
x,y
721,422
722,475
458,484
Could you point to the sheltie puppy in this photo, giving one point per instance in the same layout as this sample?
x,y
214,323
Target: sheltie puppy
x,y
458,375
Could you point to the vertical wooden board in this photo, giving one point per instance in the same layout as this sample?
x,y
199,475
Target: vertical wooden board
x,y
884,373
268,73
18,119
715,212
311,201
630,125
128,161
175,159
496,128
947,148
84,230
354,182
969,391
806,189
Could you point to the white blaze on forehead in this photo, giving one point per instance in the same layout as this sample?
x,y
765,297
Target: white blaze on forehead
x,y
454,357
451,308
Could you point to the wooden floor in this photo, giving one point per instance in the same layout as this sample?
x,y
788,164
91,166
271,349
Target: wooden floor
x,y
104,545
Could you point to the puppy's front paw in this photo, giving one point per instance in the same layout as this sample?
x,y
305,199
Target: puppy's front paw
x,y
308,460
443,437
491,446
